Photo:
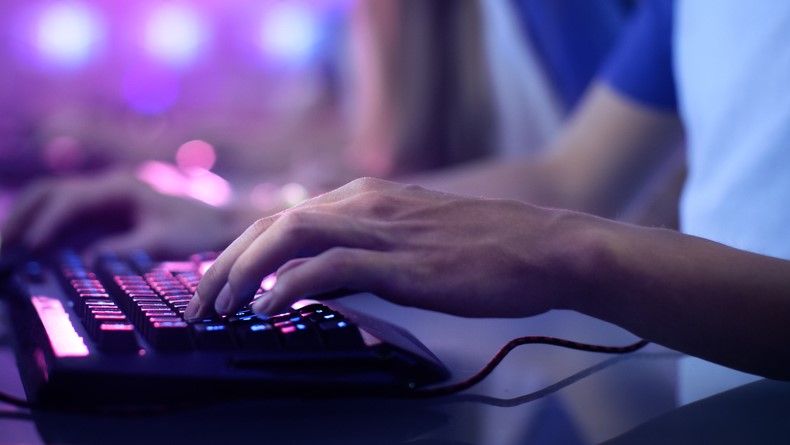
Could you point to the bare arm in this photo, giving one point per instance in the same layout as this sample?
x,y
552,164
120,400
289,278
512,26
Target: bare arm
x,y
605,150
691,294
501,258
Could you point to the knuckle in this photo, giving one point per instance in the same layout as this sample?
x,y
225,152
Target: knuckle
x,y
367,184
259,226
413,189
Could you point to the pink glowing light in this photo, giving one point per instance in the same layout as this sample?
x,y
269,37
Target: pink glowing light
x,y
205,266
196,154
195,183
65,340
290,32
164,178
268,283
208,187
175,34
67,34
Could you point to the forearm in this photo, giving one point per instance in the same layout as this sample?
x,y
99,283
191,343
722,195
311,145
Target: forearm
x,y
524,179
690,294
606,150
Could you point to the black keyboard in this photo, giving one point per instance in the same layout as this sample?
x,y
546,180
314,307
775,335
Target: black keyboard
x,y
114,334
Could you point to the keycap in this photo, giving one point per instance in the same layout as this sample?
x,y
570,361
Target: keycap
x,y
300,337
340,334
212,335
169,336
258,336
116,338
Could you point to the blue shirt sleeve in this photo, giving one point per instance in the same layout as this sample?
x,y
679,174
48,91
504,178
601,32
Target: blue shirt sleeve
x,y
640,67
572,39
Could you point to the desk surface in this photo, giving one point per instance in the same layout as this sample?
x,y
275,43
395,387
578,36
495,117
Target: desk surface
x,y
571,397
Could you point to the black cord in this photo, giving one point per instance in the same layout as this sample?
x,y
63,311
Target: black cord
x,y
15,401
512,344
567,381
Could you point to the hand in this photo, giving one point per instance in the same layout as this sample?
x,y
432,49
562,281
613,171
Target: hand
x,y
84,209
415,247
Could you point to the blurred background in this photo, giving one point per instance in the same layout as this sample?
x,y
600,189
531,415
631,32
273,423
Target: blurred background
x,y
259,86
85,84
288,96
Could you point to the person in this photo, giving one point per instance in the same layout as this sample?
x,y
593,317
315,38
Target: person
x,y
718,291
504,245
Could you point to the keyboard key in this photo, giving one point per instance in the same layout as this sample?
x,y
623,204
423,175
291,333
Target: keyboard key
x,y
213,336
340,334
300,337
116,338
258,336
93,321
169,336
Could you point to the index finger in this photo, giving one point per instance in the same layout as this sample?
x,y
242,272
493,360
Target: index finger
x,y
202,303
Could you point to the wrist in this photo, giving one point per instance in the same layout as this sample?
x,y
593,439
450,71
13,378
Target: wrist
x,y
590,261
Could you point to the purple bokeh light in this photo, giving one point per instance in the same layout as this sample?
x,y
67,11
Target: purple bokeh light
x,y
290,32
196,154
175,34
150,90
67,34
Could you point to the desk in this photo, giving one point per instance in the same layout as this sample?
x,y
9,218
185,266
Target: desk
x,y
617,395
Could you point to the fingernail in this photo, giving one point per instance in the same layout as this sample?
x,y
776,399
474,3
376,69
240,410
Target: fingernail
x,y
193,307
224,300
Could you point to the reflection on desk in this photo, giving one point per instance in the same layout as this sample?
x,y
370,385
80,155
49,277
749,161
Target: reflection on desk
x,y
757,413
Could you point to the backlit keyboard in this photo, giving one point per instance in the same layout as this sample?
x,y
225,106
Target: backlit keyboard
x,y
115,334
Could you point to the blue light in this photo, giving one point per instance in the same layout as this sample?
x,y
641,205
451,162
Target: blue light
x,y
342,324
290,32
301,327
67,34
215,328
175,34
329,316
259,327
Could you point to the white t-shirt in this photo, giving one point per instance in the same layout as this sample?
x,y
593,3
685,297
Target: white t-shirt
x,y
732,71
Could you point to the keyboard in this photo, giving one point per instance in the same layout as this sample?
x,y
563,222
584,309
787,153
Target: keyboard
x,y
113,333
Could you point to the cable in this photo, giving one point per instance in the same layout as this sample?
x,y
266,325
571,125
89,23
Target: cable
x,y
15,401
512,344
567,381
